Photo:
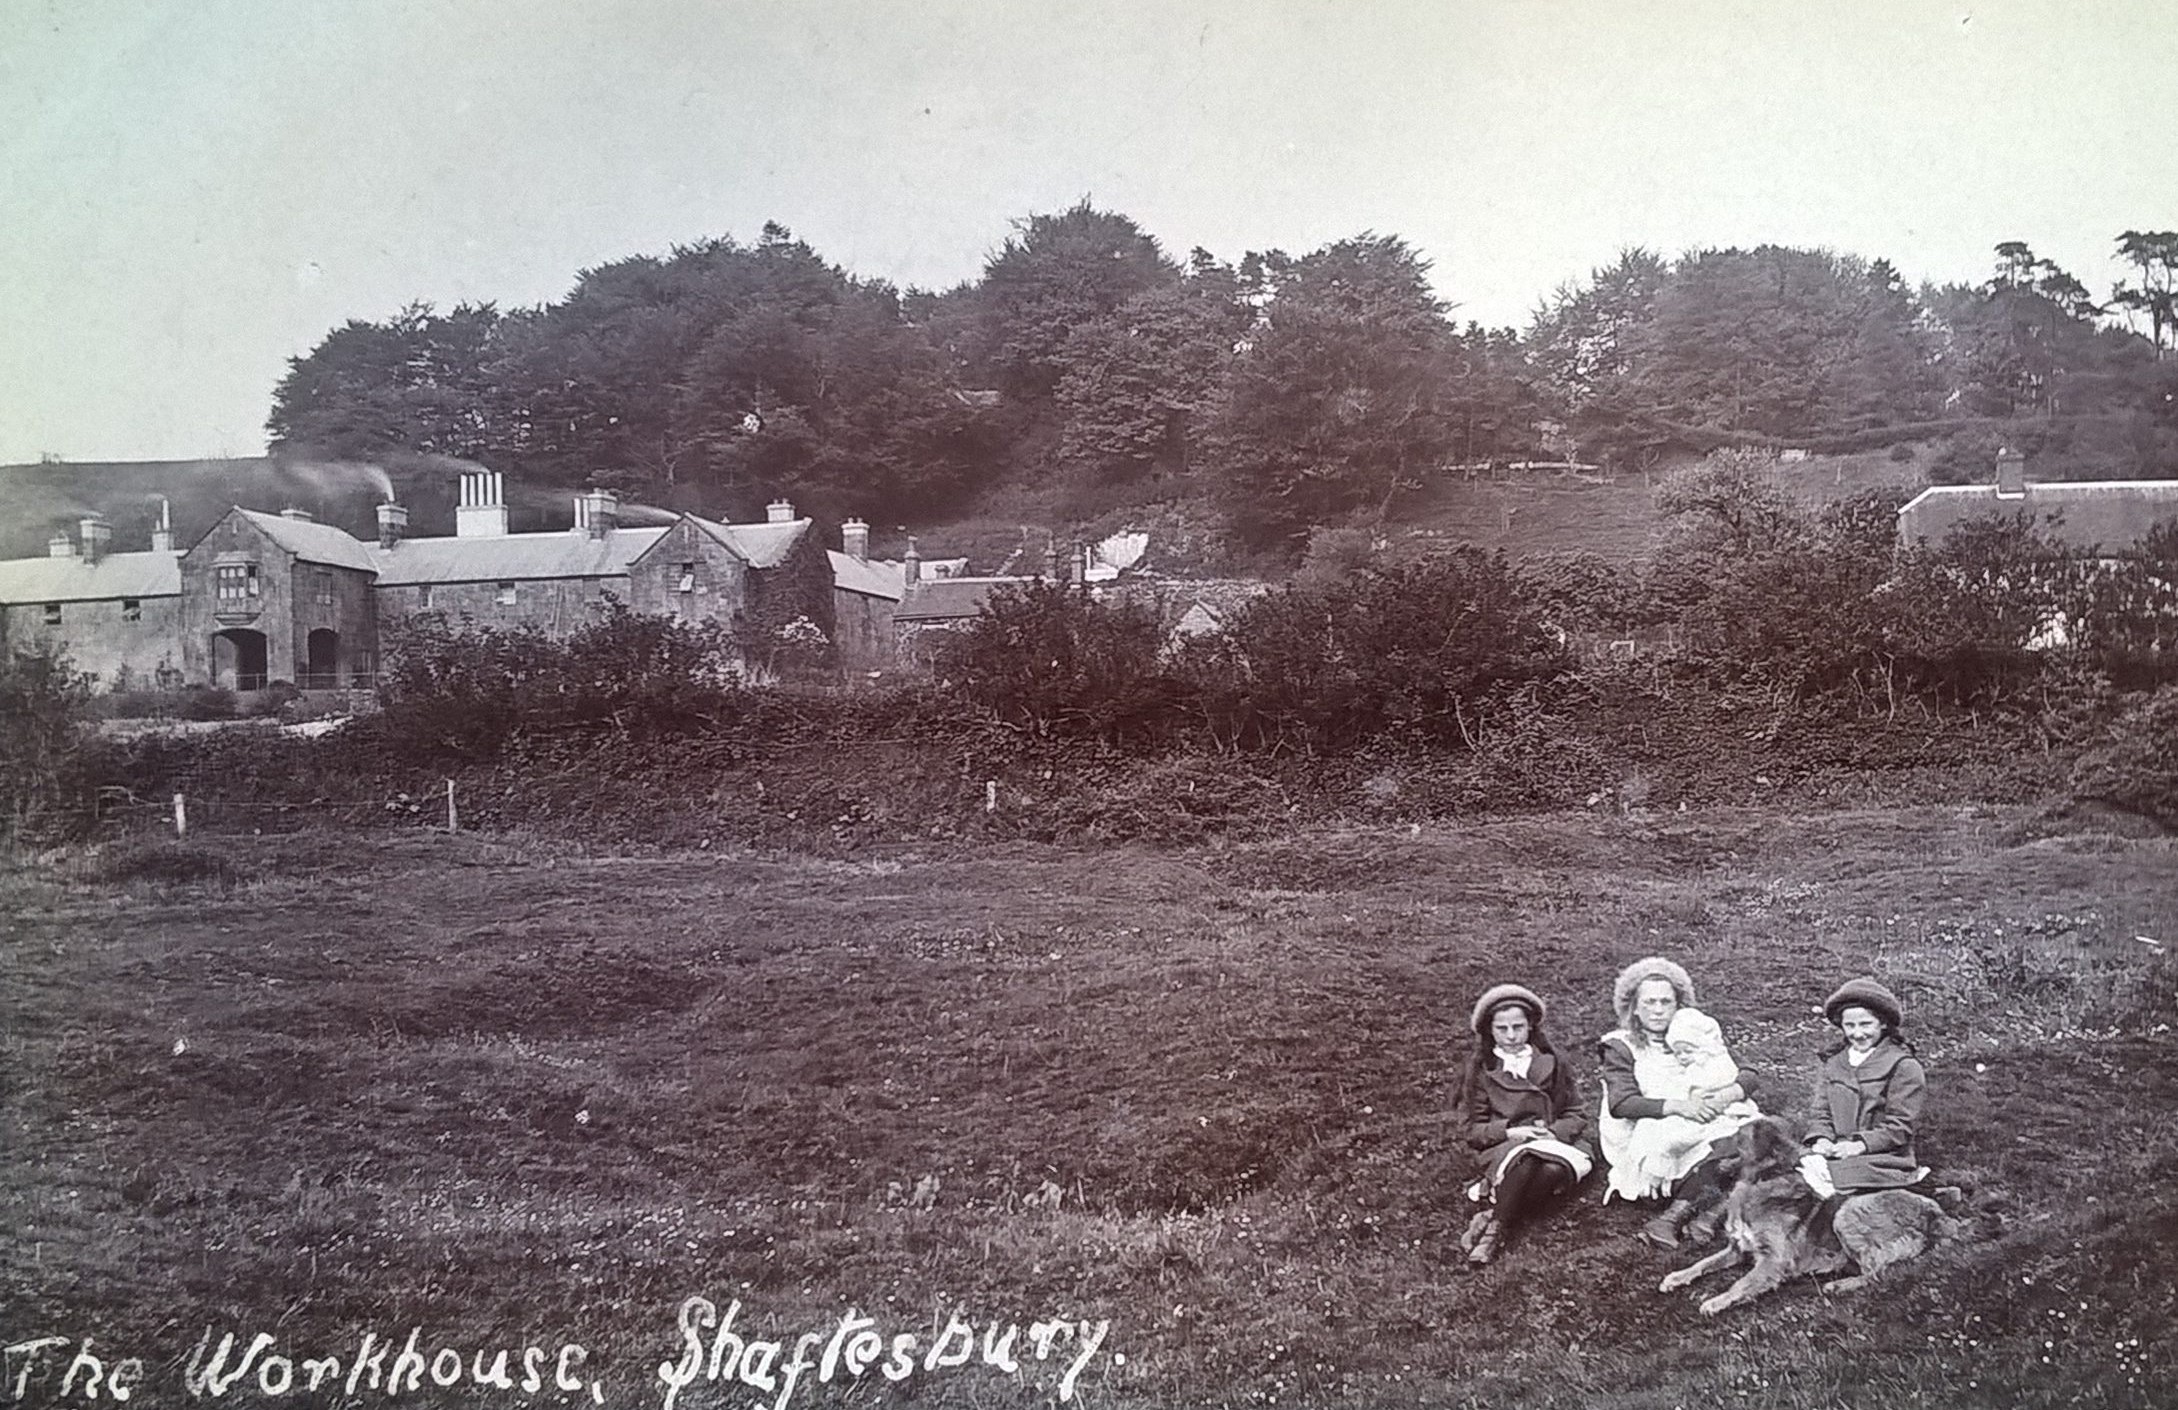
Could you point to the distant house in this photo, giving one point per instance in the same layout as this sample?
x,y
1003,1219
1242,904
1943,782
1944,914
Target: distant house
x,y
2105,517
279,597
866,594
118,614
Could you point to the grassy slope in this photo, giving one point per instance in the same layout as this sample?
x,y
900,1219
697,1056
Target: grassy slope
x,y
514,1094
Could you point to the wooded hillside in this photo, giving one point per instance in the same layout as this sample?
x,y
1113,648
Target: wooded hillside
x,y
1088,365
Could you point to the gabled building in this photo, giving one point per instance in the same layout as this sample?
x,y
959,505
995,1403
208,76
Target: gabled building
x,y
2103,517
277,597
262,597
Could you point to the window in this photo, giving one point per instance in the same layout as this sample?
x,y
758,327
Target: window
x,y
506,594
423,598
325,589
688,577
52,614
132,609
235,582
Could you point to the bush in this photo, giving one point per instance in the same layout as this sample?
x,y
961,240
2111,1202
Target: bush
x,y
206,702
269,702
2136,766
1058,663
44,701
1415,651
471,691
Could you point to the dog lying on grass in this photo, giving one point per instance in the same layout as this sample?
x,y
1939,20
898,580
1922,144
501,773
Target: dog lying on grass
x,y
1772,1217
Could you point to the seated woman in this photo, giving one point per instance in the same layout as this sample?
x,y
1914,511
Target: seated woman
x,y
1521,1110
1871,1095
1638,1073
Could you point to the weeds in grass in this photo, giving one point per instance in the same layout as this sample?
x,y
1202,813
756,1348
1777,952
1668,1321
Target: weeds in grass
x,y
1211,1113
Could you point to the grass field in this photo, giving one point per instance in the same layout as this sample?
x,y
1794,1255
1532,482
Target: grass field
x,y
1177,1117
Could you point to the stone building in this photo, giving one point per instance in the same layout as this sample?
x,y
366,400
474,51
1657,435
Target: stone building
x,y
264,598
277,597
119,614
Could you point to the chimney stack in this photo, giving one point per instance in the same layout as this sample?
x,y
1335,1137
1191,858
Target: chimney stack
x,y
162,538
301,516
392,523
97,534
482,512
779,511
2011,474
854,540
60,546
911,565
597,513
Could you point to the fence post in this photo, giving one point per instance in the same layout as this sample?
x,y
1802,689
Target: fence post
x,y
453,818
181,816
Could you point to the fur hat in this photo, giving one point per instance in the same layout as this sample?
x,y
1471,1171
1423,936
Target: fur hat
x,y
1496,997
1865,993
1634,975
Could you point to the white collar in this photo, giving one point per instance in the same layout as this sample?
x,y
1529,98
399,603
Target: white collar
x,y
1516,1063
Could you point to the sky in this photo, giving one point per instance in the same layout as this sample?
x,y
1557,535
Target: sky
x,y
192,194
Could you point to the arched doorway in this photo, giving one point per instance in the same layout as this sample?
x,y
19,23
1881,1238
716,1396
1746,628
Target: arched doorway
x,y
238,659
322,670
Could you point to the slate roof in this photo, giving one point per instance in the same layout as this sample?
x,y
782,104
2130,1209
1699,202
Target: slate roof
x,y
762,545
115,575
511,557
872,577
950,599
2111,515
313,542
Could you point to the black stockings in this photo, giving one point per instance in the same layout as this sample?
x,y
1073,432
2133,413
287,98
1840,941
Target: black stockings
x,y
1531,1182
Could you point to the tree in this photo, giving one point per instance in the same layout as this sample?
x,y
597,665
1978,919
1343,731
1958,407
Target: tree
x,y
1579,339
419,381
1785,343
1345,392
1139,382
2155,254
1054,275
2028,343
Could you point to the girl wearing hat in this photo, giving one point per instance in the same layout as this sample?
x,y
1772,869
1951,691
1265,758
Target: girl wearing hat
x,y
1642,1082
1522,1113
1870,1096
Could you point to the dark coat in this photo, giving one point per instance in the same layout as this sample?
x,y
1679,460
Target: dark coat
x,y
1878,1104
1497,1100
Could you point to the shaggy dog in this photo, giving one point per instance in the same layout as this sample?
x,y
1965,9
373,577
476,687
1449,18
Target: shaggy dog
x,y
1789,1231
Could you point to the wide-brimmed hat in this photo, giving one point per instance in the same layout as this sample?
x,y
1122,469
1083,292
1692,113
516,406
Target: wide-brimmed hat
x,y
1496,997
1865,993
1633,976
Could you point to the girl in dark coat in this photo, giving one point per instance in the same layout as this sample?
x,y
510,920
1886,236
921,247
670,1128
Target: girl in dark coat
x,y
1870,1094
1522,1115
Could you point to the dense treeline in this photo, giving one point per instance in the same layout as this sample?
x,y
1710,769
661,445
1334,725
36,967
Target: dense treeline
x,y
1292,390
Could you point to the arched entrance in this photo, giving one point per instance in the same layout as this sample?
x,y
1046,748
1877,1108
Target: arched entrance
x,y
322,669
238,659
